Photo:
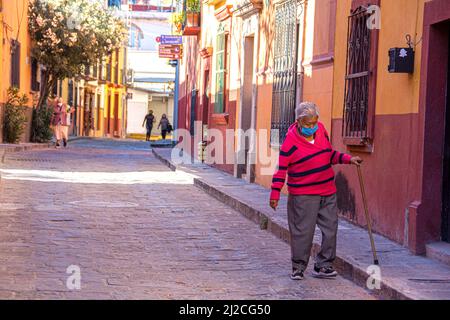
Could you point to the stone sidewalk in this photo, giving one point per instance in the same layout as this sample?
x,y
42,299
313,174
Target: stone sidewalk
x,y
403,275
6,148
135,230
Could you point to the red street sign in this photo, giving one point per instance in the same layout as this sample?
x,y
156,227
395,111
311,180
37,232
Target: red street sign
x,y
170,56
158,39
169,46
170,51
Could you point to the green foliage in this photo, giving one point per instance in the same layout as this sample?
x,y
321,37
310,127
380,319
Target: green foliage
x,y
193,6
40,126
15,118
177,18
69,34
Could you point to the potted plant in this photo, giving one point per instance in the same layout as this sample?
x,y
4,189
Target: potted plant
x,y
193,12
177,19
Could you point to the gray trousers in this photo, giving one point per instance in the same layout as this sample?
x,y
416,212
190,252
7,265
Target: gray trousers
x,y
304,212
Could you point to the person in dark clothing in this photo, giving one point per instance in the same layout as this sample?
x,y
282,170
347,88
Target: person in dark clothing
x,y
165,126
148,121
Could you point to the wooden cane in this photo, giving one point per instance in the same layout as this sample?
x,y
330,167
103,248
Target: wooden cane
x,y
369,226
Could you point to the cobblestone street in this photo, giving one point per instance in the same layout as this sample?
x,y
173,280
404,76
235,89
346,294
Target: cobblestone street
x,y
137,231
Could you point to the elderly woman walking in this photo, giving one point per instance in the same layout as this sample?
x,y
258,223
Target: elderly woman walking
x,y
307,156
57,120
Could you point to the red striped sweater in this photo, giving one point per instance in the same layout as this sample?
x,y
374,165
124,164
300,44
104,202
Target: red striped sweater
x,y
308,166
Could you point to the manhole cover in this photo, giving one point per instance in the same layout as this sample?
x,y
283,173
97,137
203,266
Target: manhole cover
x,y
104,204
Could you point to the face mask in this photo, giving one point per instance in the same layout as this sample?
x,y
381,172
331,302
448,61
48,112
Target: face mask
x,y
310,131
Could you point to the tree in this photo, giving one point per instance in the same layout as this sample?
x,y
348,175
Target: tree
x,y
67,35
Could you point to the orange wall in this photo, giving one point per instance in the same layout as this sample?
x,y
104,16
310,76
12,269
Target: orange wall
x,y
13,12
396,93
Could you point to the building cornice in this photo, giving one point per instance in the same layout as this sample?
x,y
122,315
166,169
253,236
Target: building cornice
x,y
246,8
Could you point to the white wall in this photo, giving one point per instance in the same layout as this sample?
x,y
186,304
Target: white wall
x,y
137,109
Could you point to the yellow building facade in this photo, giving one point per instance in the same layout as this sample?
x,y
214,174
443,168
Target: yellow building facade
x,y
15,57
99,97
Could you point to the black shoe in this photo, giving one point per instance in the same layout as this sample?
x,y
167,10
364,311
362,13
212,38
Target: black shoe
x,y
326,272
297,274
65,143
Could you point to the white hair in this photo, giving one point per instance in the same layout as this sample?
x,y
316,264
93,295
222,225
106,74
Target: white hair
x,y
306,110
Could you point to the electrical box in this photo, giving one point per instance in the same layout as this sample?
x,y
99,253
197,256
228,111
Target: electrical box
x,y
401,60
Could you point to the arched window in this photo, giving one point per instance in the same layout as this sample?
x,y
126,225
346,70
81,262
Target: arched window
x,y
136,36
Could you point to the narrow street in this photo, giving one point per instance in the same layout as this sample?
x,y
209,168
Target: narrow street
x,y
136,230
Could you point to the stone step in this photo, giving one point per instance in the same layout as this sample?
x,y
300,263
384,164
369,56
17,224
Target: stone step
x,y
439,251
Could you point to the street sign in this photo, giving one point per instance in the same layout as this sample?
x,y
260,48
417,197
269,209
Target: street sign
x,y
170,56
173,52
170,46
169,39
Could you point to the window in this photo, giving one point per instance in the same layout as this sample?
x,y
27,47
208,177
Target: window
x,y
95,70
109,69
193,111
358,103
55,88
221,65
35,85
60,92
99,114
136,36
15,63
116,67
70,92
285,71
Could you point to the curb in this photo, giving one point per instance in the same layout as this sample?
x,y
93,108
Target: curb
x,y
346,268
19,148
164,161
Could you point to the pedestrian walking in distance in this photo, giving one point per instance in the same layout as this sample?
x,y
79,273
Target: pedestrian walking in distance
x,y
148,122
165,126
66,122
57,120
307,157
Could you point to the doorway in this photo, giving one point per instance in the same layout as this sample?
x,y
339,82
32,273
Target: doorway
x,y
108,116
246,112
445,227
116,115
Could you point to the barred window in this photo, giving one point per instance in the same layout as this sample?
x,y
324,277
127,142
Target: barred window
x,y
285,70
15,63
358,103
